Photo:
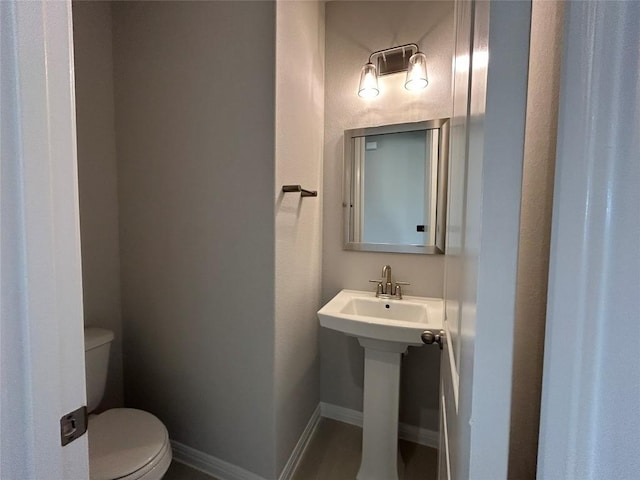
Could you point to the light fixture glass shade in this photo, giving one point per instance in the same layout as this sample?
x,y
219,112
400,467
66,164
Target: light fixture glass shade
x,y
417,72
368,82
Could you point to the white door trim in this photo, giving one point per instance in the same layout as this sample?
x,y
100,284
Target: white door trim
x,y
42,319
487,145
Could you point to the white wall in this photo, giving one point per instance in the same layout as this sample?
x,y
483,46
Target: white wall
x,y
353,31
535,233
194,89
299,138
97,177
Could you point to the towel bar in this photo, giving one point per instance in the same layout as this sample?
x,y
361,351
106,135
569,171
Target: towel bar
x,y
297,188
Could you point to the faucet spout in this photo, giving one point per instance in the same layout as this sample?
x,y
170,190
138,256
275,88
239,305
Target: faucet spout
x,y
386,274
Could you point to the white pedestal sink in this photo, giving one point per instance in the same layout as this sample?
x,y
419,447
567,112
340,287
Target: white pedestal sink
x,y
385,328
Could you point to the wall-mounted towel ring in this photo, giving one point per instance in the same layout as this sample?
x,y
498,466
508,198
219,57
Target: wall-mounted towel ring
x,y
297,188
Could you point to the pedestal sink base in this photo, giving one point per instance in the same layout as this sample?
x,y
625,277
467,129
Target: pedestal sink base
x,y
380,410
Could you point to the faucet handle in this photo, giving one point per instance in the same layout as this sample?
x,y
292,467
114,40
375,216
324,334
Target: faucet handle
x,y
378,286
398,289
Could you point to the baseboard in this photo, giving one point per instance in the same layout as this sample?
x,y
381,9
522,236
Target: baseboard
x,y
209,464
422,436
226,471
301,446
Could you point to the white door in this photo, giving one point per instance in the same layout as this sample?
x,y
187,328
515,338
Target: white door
x,y
486,157
41,333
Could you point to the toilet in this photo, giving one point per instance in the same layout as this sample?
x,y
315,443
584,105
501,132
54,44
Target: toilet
x,y
124,443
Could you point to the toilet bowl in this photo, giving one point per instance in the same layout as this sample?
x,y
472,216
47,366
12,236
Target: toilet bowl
x,y
124,443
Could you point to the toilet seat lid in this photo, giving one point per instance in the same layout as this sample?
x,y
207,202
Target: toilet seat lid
x,y
123,440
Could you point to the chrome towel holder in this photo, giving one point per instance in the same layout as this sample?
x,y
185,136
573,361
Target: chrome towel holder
x,y
298,188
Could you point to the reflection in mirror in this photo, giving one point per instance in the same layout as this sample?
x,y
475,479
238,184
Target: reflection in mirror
x,y
395,187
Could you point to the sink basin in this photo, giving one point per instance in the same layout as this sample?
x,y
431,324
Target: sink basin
x,y
361,314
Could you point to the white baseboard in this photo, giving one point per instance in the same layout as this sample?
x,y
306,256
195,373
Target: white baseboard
x,y
301,446
209,464
226,471
422,436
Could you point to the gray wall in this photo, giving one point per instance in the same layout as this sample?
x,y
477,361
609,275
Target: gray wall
x,y
97,179
194,90
353,31
535,233
299,136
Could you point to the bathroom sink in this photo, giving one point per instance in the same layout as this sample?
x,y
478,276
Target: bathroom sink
x,y
384,328
362,315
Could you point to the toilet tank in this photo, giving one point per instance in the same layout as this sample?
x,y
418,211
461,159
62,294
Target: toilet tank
x,y
97,342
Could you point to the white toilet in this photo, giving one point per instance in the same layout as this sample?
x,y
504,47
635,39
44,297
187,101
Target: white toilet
x,y
124,443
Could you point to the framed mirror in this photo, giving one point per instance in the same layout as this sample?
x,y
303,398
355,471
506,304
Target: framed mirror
x,y
395,187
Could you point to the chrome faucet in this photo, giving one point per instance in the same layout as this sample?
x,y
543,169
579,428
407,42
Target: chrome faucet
x,y
385,288
388,285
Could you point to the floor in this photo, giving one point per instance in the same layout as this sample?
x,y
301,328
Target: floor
x,y
179,471
334,454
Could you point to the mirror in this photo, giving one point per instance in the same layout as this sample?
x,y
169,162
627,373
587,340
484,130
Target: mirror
x,y
395,181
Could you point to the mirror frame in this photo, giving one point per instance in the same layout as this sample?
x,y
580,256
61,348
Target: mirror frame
x,y
441,199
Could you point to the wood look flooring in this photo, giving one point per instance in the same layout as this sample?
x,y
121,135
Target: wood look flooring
x,y
335,450
180,471
334,454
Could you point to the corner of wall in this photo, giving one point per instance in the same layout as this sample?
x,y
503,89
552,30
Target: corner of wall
x,y
298,220
97,179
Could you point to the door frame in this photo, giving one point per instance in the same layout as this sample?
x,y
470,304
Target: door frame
x,y
42,340
481,272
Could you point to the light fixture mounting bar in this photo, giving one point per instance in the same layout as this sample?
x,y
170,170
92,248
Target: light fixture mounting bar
x,y
394,59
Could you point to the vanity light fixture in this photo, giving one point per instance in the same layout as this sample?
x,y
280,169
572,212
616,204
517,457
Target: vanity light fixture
x,y
393,60
417,72
368,81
